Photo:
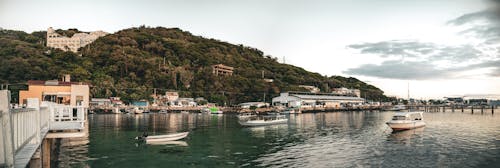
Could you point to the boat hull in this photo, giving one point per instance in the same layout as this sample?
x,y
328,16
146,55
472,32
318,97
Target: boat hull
x,y
163,138
262,122
399,126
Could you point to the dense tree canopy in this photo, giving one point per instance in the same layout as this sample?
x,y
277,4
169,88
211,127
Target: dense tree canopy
x,y
134,62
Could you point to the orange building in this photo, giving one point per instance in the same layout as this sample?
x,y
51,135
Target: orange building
x,y
62,92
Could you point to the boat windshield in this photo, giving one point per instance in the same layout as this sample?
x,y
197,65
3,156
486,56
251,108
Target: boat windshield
x,y
398,118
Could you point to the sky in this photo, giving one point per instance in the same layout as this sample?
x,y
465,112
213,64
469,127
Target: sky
x,y
436,47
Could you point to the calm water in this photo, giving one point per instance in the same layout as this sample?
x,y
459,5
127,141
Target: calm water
x,y
337,139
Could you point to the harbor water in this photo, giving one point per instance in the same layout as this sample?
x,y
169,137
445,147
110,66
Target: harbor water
x,y
332,139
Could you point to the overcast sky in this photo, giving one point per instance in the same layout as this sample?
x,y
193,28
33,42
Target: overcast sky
x,y
440,47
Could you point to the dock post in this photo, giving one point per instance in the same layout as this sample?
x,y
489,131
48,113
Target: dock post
x,y
462,108
472,109
482,109
6,126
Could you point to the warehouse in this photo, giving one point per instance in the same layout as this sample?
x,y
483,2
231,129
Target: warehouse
x,y
305,99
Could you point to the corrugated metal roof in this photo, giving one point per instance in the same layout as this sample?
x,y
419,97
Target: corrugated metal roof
x,y
325,97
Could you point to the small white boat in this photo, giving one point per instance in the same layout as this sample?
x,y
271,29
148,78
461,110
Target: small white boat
x,y
262,122
138,110
163,138
116,110
406,121
163,111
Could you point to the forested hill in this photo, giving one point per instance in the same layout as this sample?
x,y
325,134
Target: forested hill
x,y
132,62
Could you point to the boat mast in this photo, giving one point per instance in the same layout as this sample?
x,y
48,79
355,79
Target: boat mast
x,y
408,96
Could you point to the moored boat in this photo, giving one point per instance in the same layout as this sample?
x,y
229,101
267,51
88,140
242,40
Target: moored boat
x,y
162,138
279,119
215,110
406,121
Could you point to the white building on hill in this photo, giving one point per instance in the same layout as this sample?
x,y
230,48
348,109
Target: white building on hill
x,y
78,40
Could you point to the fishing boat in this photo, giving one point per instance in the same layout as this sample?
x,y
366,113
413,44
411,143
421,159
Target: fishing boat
x,y
163,138
279,119
406,121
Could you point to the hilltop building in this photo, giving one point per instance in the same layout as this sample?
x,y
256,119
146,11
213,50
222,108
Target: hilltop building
x,y
78,40
347,92
61,92
221,69
306,99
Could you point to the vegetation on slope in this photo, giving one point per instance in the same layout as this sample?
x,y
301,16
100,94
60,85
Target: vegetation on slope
x,y
133,63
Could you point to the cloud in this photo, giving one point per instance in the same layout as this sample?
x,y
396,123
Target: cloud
x,y
412,59
482,25
401,70
395,48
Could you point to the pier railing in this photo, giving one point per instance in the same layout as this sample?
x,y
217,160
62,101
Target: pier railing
x,y
22,130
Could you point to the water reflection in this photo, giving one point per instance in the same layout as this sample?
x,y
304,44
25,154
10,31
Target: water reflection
x,y
336,139
405,137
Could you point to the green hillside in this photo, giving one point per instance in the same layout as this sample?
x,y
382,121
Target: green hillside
x,y
132,62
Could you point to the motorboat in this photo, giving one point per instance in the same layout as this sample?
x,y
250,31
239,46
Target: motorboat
x,y
279,119
163,111
406,121
163,138
397,108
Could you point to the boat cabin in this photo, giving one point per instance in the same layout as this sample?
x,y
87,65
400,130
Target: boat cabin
x,y
408,116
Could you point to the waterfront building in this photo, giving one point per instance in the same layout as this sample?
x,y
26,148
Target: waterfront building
x,y
306,99
100,102
247,105
184,102
221,69
347,92
73,43
171,96
116,101
61,92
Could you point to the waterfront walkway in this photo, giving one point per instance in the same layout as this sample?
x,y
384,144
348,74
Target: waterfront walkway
x,y
25,130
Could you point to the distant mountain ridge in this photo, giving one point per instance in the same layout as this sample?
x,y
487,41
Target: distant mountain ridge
x,y
135,62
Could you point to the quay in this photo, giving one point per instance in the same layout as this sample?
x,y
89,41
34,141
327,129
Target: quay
x,y
28,133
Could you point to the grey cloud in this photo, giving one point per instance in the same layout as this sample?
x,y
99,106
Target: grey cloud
x,y
394,48
416,49
400,70
484,25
